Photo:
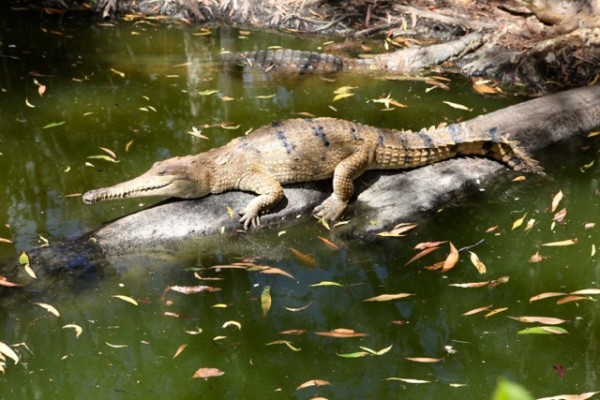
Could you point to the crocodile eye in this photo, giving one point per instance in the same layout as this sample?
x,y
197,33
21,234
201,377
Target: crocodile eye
x,y
162,172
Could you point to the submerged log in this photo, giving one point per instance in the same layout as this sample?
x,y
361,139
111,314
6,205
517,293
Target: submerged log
x,y
198,225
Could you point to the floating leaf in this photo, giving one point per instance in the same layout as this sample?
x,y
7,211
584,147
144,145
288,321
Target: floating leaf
x,y
8,352
421,254
424,359
304,258
478,310
232,323
545,296
541,320
193,289
292,332
197,133
451,260
6,283
270,270
477,263
125,298
24,261
207,373
457,106
389,297
53,125
342,333
357,354
582,396
556,200
78,329
586,292
427,245
265,300
571,298
179,350
313,382
496,311
49,308
207,92
296,309
543,330
518,222
287,343
568,242
536,258
329,243
470,285
103,157
500,281
326,283
377,352
117,72
407,380
398,230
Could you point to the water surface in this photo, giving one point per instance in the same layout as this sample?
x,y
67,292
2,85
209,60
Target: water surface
x,y
137,89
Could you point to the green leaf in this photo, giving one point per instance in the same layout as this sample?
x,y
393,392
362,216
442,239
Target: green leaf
x,y
24,259
544,330
507,390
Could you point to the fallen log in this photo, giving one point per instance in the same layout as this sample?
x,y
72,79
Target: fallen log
x,y
176,227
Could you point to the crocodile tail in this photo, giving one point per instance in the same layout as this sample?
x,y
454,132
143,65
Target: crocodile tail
x,y
517,158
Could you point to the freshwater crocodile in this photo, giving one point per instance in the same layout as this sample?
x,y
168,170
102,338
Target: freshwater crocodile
x,y
406,61
300,150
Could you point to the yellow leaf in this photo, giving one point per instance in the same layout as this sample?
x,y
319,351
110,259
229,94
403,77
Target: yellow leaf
x,y
568,242
342,96
496,311
114,71
265,300
518,222
179,350
125,298
477,263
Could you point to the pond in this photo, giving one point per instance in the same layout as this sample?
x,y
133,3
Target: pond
x,y
73,91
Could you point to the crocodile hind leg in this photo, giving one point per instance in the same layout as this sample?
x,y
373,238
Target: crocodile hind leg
x,y
343,187
270,192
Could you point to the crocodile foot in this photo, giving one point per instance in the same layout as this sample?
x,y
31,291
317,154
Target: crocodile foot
x,y
332,208
249,218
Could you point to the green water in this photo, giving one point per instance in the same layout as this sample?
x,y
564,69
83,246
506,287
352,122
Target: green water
x,y
127,351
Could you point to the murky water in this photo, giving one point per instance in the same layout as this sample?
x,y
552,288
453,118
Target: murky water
x,y
137,89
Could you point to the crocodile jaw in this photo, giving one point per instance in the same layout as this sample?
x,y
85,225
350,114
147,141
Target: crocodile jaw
x,y
138,187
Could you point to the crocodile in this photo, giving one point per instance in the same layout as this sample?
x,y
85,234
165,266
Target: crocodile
x,y
406,61
301,150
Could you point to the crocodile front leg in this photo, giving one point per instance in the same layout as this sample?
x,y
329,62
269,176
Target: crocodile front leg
x,y
270,192
345,172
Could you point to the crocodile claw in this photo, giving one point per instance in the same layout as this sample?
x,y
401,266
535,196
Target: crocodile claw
x,y
249,219
331,209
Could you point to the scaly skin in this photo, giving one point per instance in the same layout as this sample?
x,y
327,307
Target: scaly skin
x,y
300,150
405,61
